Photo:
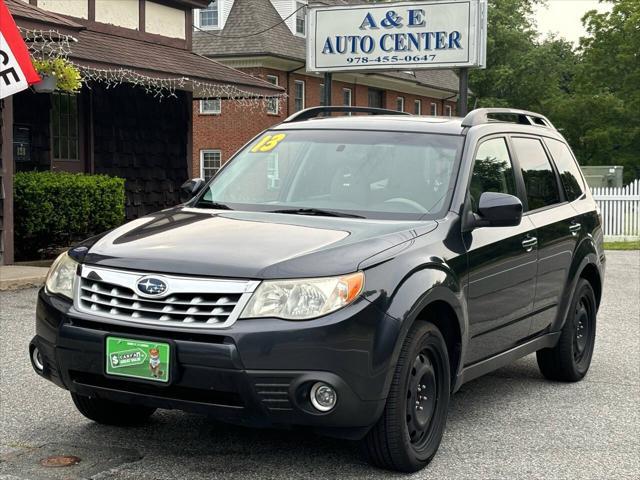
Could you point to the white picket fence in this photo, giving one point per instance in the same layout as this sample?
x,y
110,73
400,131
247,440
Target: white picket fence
x,y
620,207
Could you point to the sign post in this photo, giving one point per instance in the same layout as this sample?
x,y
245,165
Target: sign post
x,y
463,96
399,36
328,79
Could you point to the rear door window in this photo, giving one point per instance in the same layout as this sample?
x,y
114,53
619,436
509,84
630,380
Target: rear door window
x,y
492,171
568,169
539,178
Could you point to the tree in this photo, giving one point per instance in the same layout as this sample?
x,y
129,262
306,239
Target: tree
x,y
521,72
601,114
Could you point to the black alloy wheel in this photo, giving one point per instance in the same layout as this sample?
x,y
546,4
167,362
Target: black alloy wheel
x,y
570,359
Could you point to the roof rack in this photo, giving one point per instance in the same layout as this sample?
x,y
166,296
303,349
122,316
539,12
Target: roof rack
x,y
481,116
315,112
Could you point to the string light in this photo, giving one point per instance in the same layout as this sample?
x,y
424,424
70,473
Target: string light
x,y
49,44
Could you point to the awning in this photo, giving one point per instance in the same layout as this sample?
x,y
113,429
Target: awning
x,y
103,51
104,55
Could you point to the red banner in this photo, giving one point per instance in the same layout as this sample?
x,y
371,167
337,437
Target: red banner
x,y
16,69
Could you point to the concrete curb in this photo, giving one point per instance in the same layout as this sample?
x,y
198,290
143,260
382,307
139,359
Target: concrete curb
x,y
13,277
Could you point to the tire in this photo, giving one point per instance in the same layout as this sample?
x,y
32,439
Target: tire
x,y
111,413
569,360
408,434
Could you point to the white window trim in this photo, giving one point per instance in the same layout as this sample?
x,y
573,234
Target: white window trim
x,y
345,90
448,111
417,103
210,112
295,20
277,103
401,101
202,154
304,93
432,110
196,18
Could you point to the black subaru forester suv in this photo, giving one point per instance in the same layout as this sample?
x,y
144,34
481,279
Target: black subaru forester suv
x,y
344,273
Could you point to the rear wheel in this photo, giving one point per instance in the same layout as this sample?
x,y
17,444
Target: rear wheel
x,y
111,413
410,429
570,359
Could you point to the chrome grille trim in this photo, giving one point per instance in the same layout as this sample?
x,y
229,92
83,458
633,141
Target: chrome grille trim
x,y
193,302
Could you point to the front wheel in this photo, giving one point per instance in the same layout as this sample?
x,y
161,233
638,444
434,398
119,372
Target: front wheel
x,y
569,360
410,429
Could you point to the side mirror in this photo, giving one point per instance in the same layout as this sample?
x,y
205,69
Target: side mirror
x,y
498,210
190,188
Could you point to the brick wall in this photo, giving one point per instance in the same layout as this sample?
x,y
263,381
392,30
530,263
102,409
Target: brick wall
x,y
237,124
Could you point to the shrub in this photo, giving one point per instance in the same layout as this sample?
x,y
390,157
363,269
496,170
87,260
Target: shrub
x,y
54,209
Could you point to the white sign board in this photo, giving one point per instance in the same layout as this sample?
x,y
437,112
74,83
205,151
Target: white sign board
x,y
397,36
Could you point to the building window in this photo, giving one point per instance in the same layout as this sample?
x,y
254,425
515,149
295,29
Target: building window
x,y
209,18
400,104
301,19
417,107
346,97
209,163
212,106
273,106
298,97
375,98
64,127
322,94
434,109
447,110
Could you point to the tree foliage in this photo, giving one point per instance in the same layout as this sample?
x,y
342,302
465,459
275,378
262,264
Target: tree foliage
x,y
591,93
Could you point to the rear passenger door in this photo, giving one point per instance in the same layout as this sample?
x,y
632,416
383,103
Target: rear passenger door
x,y
502,262
556,223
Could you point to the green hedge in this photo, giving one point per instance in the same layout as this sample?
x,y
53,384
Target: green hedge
x,y
54,209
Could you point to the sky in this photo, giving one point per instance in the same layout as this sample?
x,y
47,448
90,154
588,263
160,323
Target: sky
x,y
563,17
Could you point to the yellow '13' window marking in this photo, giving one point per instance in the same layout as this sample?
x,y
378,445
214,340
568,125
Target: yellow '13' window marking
x,y
268,143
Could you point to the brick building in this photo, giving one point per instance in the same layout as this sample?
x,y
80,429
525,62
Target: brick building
x,y
266,38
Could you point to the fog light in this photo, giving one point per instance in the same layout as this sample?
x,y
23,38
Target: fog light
x,y
323,397
36,358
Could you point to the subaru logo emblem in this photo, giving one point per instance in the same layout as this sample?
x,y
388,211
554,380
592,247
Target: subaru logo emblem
x,y
151,286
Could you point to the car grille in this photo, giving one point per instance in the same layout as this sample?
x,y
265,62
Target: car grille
x,y
190,302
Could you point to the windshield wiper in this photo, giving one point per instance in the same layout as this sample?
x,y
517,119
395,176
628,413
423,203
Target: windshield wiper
x,y
316,211
215,205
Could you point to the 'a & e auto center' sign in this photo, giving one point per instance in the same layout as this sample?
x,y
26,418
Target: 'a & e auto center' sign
x,y
397,36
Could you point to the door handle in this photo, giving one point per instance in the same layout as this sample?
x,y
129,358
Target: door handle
x,y
574,228
529,243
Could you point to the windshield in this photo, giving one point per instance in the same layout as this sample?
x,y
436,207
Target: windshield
x,y
371,174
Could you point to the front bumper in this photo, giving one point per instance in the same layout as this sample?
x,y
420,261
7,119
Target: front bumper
x,y
257,372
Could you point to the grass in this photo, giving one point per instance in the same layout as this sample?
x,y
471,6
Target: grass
x,y
633,245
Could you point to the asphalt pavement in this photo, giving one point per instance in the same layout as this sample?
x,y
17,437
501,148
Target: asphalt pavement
x,y
510,424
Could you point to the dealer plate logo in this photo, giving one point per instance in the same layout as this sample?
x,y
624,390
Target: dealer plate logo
x,y
152,286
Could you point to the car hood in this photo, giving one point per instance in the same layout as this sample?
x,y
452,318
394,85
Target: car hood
x,y
257,245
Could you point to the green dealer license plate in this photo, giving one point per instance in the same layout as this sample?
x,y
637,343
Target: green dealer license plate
x,y
146,360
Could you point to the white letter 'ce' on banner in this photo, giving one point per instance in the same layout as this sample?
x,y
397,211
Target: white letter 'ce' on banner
x,y
16,69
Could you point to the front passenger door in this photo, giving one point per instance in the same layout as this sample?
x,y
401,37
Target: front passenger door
x,y
501,260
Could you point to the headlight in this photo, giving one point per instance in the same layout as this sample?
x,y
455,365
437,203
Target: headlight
x,y
62,276
303,299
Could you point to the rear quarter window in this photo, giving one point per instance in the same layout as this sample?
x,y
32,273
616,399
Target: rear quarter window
x,y
568,169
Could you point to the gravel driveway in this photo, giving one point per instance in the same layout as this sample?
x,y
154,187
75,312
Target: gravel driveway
x,y
509,424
